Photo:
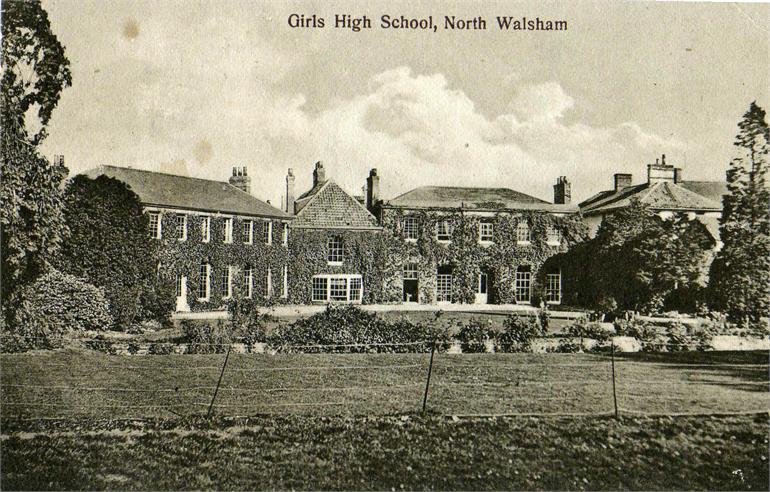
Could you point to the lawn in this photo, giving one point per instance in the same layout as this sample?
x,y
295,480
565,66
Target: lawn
x,y
391,453
82,383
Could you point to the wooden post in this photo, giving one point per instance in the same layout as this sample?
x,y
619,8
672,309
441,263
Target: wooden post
x,y
427,382
216,390
614,394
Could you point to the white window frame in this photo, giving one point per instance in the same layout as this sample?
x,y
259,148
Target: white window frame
x,y
523,233
444,229
285,234
411,271
205,228
324,294
486,236
228,271
155,229
269,290
335,251
206,283
552,236
183,225
248,229
519,284
248,275
285,287
228,230
411,228
444,287
553,288
269,232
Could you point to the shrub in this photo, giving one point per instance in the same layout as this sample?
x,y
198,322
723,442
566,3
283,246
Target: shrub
x,y
566,346
53,306
350,329
474,336
643,331
606,305
161,348
205,338
583,329
678,339
247,324
518,334
544,317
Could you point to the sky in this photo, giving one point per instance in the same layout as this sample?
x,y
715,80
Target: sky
x,y
198,87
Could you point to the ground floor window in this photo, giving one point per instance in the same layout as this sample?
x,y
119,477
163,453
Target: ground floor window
x,y
204,282
178,285
337,288
248,278
444,284
225,283
553,287
523,285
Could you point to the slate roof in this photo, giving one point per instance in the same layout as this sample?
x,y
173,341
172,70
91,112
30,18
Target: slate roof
x,y
490,199
328,206
173,191
663,195
713,190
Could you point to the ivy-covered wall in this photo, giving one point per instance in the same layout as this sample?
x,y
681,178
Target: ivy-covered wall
x,y
468,257
185,257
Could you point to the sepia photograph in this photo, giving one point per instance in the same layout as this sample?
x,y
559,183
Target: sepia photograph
x,y
384,245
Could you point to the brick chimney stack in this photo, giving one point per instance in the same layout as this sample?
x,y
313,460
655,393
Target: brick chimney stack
x,y
660,171
562,191
622,180
372,189
290,191
240,179
319,174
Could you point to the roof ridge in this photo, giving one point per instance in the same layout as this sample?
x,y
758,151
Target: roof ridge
x,y
163,173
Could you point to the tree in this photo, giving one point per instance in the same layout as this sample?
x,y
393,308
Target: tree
x,y
110,247
35,68
740,275
34,72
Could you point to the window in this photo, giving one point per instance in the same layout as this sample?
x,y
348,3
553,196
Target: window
x,y
154,225
269,232
225,283
522,233
269,290
338,288
443,230
285,293
523,284
320,289
178,285
285,234
411,228
248,231
227,230
181,227
444,285
205,229
553,287
204,282
248,279
334,250
553,236
486,231
410,271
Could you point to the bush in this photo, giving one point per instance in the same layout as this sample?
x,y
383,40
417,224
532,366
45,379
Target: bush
x,y
353,330
248,325
566,346
53,306
678,339
643,331
161,348
473,337
518,334
584,329
205,338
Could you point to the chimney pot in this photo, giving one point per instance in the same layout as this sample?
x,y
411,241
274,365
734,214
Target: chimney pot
x,y
290,191
319,174
562,191
663,159
240,180
372,190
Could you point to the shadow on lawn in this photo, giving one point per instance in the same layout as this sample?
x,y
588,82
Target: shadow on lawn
x,y
726,365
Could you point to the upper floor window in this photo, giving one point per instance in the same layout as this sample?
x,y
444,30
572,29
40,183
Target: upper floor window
x,y
248,231
523,233
227,230
285,234
181,227
269,232
334,254
205,229
486,231
411,227
443,230
154,225
553,236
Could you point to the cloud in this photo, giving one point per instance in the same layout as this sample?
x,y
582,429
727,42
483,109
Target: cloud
x,y
542,102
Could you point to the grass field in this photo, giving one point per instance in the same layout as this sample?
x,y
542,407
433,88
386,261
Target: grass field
x,y
392,453
80,383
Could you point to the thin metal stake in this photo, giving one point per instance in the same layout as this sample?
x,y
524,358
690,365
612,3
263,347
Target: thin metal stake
x,y
614,394
216,390
427,383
